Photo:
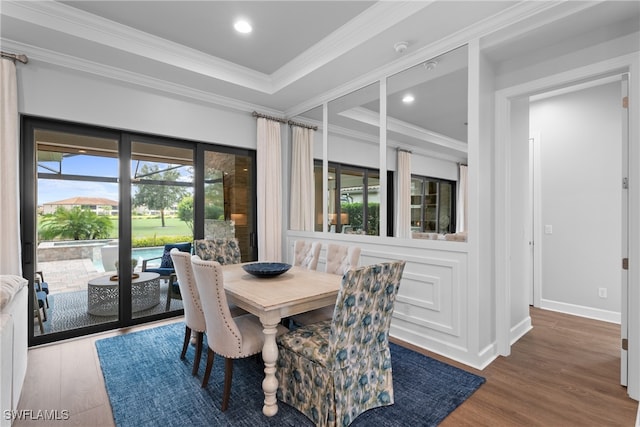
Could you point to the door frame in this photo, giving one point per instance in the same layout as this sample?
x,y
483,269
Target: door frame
x,y
502,215
28,211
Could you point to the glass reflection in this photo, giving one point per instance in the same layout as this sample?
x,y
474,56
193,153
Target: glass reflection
x,y
427,116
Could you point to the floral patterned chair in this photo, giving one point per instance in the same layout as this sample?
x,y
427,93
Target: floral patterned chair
x,y
333,371
221,250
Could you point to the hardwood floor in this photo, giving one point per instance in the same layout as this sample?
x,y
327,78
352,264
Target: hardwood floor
x,y
565,372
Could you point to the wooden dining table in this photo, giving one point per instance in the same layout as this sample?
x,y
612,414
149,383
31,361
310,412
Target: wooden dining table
x,y
273,298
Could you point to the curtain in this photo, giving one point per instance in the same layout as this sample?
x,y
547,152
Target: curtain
x,y
269,191
302,185
10,249
461,204
403,219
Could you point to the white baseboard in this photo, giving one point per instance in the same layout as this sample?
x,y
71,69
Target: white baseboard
x,y
582,311
520,330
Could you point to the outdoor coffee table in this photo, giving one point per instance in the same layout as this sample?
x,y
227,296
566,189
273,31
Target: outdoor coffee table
x,y
102,294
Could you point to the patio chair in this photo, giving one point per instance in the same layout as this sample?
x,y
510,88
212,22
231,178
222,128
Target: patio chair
x,y
340,259
42,286
40,303
166,270
332,371
230,337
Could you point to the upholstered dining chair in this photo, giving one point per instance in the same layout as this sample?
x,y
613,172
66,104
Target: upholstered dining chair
x,y
166,270
306,254
222,250
229,337
193,315
332,371
340,259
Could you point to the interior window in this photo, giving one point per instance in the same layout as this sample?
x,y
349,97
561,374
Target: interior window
x,y
432,205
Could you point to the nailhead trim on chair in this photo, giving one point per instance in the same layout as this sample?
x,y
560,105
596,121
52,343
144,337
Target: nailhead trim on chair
x,y
226,323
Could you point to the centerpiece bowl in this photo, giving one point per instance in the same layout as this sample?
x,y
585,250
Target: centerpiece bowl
x,y
266,269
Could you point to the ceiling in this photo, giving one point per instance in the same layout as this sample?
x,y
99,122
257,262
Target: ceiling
x,y
300,53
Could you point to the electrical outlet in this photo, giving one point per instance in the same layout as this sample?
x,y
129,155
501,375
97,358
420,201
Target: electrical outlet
x,y
602,292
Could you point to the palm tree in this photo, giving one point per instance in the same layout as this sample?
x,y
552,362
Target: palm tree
x,y
75,223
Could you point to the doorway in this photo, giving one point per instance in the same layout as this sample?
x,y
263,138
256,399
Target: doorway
x,y
578,199
505,100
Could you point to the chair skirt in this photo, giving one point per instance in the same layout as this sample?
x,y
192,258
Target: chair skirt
x,y
331,393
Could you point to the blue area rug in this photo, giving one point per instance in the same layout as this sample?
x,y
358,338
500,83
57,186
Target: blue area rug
x,y
148,385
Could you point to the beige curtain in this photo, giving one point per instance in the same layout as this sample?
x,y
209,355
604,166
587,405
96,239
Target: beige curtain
x,y
302,187
403,217
10,248
461,204
269,191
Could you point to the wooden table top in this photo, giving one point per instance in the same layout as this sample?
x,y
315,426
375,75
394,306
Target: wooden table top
x,y
296,291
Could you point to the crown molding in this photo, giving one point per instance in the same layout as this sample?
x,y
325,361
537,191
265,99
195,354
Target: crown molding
x,y
75,22
69,20
373,21
516,13
37,54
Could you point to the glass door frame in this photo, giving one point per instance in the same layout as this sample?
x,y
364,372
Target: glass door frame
x,y
28,211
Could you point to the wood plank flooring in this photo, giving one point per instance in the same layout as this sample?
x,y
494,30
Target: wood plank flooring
x,y
565,372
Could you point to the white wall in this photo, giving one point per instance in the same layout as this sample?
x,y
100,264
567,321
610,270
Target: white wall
x,y
53,92
581,191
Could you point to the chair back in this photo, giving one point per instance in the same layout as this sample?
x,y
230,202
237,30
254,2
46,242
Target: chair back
x,y
193,314
306,254
341,259
223,335
166,261
362,315
222,250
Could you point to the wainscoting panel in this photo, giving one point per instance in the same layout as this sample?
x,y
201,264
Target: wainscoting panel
x,y
431,307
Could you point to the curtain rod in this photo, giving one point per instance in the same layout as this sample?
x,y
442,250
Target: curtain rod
x,y
15,57
264,116
281,120
302,125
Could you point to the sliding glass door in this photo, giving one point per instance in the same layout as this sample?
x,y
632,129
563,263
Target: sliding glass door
x,y
101,207
229,199
161,217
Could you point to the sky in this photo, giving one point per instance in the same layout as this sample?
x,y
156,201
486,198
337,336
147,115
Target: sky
x,y
51,190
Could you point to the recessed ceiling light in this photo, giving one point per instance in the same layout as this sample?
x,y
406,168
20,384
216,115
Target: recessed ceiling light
x,y
242,26
408,99
431,65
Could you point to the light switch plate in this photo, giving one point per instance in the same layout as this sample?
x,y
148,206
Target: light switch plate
x,y
548,229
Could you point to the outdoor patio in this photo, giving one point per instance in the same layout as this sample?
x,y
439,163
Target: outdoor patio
x,y
68,296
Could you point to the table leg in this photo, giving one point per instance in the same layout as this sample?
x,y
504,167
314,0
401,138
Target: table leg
x,y
270,357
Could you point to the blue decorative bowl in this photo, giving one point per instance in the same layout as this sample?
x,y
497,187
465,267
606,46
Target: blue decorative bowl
x,y
266,269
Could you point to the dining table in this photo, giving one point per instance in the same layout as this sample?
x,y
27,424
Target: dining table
x,y
273,298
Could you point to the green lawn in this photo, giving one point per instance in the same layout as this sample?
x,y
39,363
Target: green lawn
x,y
150,227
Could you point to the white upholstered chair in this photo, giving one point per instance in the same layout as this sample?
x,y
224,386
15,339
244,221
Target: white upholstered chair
x,y
195,324
229,337
306,254
340,259
193,315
